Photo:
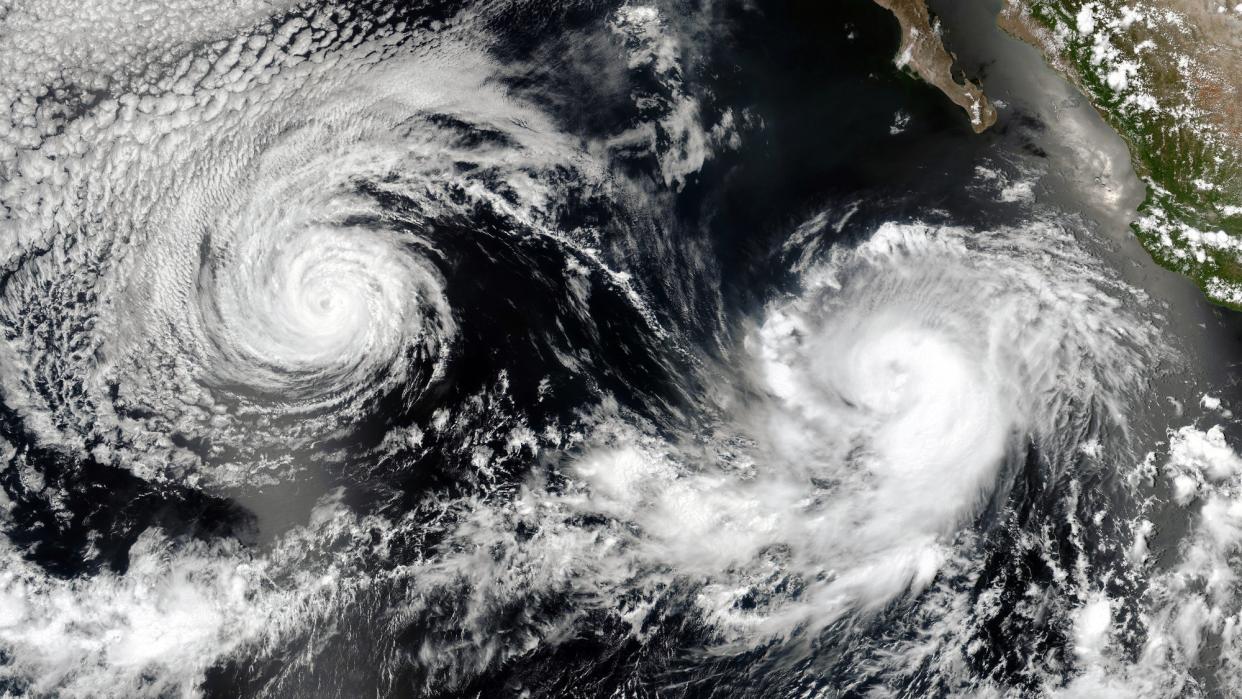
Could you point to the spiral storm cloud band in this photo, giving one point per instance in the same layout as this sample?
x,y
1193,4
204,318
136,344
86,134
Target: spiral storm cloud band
x,y
507,348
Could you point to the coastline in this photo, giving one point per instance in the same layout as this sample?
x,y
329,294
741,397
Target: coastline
x,y
923,52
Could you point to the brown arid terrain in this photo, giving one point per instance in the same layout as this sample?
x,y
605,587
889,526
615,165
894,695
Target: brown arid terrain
x,y
923,52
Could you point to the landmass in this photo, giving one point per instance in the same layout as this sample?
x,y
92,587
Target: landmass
x,y
923,52
1166,75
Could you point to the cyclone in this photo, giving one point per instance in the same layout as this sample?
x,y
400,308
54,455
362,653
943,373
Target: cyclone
x,y
903,387
928,366
272,270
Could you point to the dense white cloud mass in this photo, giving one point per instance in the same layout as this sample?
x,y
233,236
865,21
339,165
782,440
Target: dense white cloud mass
x,y
898,389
